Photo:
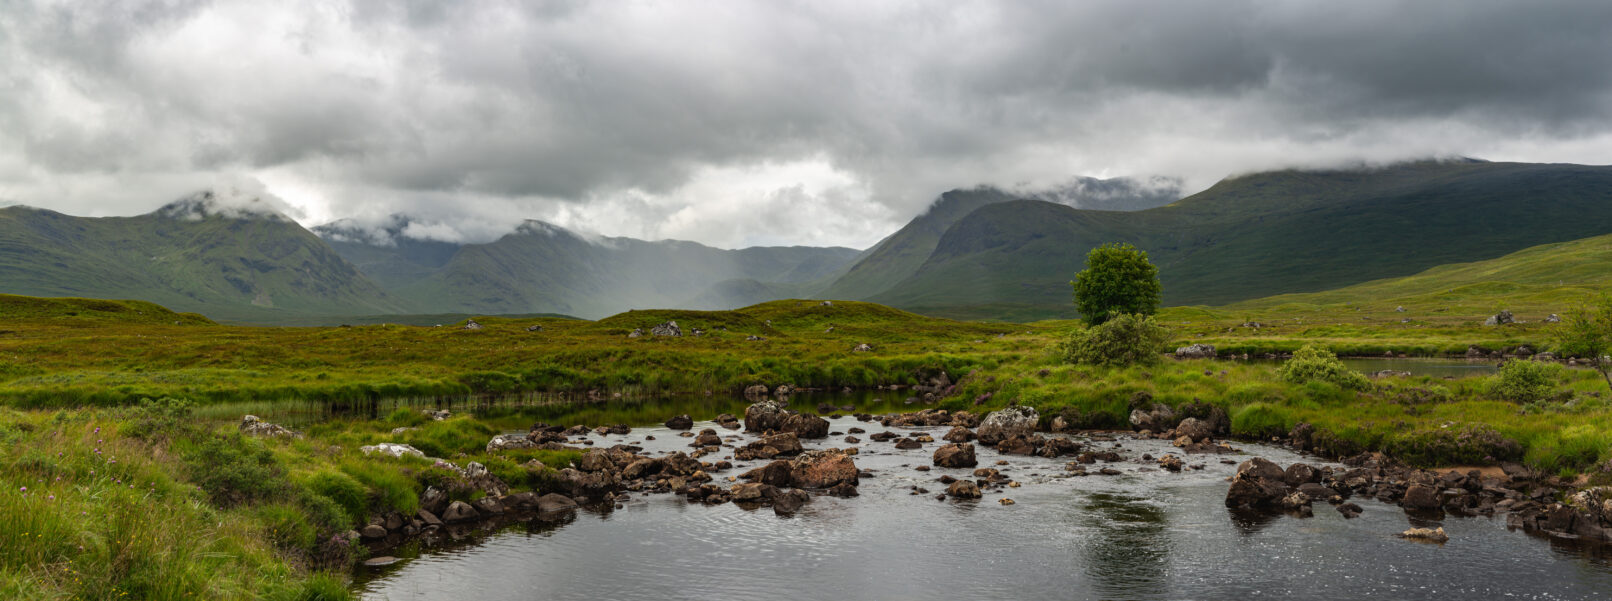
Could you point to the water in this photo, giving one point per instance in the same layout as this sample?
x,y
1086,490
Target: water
x,y
1146,534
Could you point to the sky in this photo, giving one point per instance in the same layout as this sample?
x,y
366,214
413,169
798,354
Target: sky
x,y
735,123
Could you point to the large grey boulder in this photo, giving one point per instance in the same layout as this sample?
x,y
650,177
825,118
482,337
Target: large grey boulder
x,y
1007,423
392,449
251,425
1499,319
669,328
1196,351
509,442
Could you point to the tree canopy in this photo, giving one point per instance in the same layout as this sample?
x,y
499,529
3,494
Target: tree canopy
x,y
1118,279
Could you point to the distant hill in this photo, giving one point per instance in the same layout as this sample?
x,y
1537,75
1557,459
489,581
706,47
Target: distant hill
x,y
90,311
1533,282
899,255
1262,234
224,257
543,268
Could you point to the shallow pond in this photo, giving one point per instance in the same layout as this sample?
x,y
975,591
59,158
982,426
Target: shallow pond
x,y
1144,534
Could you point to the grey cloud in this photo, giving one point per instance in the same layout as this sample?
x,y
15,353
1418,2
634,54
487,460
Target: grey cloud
x,y
600,115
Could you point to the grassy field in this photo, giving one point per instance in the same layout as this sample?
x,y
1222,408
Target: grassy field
x,y
190,509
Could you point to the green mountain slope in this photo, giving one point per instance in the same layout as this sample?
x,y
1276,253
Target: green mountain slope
x,y
192,255
1537,281
899,255
544,268
1263,234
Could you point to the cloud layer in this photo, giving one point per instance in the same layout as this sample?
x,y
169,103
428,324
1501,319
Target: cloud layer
x,y
739,123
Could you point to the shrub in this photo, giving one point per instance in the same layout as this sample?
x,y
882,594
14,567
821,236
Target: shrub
x,y
1311,364
1124,340
235,470
1525,381
344,491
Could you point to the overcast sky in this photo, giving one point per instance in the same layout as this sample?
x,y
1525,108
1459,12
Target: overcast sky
x,y
738,123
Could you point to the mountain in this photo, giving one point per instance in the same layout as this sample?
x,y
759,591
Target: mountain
x,y
546,268
1262,234
225,256
899,255
1533,282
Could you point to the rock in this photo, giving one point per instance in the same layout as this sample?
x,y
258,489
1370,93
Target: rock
x,y
636,333
1300,473
1553,318
843,490
785,503
555,502
1258,483
380,562
777,473
1432,535
1194,429
508,442
958,434
251,425
1499,319
392,449
1349,510
591,485
1007,423
1158,418
765,415
372,532
428,518
805,426
470,324
1196,351
1399,309
823,469
681,422
862,348
1296,500
487,506
708,438
433,500
963,489
957,454
459,511
1172,463
727,421
534,328
1421,496
667,329
755,391
908,444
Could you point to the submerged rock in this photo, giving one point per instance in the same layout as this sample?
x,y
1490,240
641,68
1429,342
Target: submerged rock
x,y
681,422
1433,535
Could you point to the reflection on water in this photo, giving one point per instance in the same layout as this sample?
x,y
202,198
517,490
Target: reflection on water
x,y
1127,556
1144,534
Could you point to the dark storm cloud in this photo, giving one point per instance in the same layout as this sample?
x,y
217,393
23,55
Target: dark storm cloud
x,y
690,119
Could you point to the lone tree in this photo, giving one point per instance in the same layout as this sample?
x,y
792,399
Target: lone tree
x,y
1587,333
1118,279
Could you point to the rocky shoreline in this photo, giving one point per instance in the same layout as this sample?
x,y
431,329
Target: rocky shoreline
x,y
789,476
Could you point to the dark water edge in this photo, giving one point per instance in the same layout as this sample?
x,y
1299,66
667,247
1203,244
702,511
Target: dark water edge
x,y
1145,534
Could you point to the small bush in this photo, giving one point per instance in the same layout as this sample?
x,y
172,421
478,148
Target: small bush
x,y
1525,381
236,470
1127,339
344,491
1311,364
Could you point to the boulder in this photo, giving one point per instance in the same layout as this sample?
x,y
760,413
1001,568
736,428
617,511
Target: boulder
x,y
1196,351
669,328
433,500
1300,473
1421,496
1432,535
963,489
823,469
251,425
1258,483
678,463
777,473
681,422
862,348
508,442
459,511
908,444
1194,429
785,503
1499,319
765,415
757,390
1007,423
487,506
591,485
1171,463
428,518
555,502
1553,318
1158,418
958,434
391,449
786,443
805,426
957,454
372,532
727,421
707,438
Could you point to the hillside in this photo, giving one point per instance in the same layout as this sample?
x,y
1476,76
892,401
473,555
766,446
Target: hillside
x,y
1533,283
899,255
542,268
197,254
88,311
1263,234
